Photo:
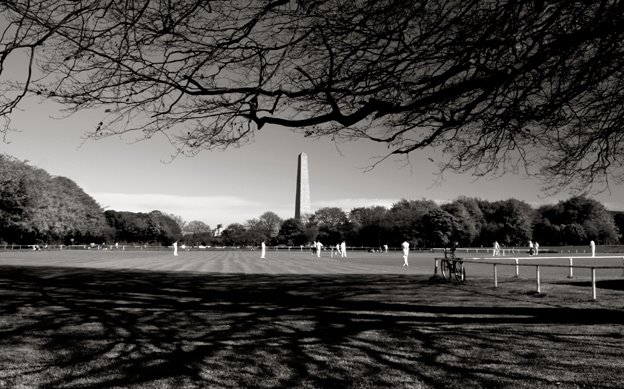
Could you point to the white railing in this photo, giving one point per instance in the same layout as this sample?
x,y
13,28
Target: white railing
x,y
517,265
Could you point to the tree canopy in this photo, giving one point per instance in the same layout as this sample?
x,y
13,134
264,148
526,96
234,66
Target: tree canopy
x,y
576,219
36,207
498,86
138,227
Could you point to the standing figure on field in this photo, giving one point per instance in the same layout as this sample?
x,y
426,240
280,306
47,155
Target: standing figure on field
x,y
592,246
319,246
531,249
496,250
536,248
386,248
175,248
263,250
343,249
405,247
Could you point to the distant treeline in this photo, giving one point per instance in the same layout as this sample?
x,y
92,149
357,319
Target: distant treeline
x,y
470,222
37,208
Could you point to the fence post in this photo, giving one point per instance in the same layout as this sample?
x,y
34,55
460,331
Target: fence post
x,y
495,277
537,276
593,270
571,268
517,268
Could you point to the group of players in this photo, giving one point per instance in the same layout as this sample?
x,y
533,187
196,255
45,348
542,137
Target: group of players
x,y
341,249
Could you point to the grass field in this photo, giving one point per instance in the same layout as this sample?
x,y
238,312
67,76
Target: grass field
x,y
102,319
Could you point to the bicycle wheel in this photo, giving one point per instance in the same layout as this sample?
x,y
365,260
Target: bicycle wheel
x,y
445,267
460,271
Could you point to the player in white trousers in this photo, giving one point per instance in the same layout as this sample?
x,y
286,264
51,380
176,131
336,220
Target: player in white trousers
x,y
319,246
592,246
405,247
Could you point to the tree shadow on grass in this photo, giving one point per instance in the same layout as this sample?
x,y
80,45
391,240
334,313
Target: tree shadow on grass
x,y
613,284
67,327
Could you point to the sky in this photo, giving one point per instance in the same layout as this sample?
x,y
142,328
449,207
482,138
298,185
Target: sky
x,y
238,184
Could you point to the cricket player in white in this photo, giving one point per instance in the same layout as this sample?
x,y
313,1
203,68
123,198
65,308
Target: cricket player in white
x,y
405,247
592,245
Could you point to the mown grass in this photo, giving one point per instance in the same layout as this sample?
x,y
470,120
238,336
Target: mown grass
x,y
69,327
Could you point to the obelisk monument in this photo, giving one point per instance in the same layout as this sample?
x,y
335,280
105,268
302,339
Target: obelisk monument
x,y
302,201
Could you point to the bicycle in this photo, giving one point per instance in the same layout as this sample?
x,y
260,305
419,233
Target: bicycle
x,y
451,265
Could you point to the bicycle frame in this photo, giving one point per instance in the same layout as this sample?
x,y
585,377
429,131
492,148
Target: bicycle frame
x,y
452,265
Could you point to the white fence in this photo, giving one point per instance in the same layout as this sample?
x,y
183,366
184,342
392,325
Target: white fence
x,y
516,263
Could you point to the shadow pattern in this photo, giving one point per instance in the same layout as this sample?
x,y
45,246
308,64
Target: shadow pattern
x,y
85,328
613,284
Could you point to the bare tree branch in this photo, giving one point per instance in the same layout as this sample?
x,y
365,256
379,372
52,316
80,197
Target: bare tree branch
x,y
498,85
